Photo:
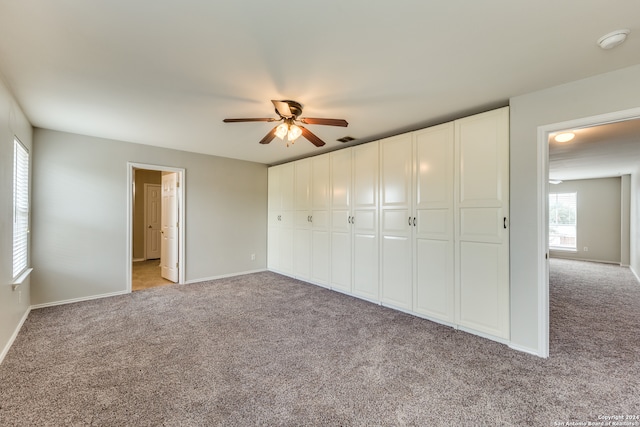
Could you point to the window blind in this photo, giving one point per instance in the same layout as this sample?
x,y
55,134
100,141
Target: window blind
x,y
20,208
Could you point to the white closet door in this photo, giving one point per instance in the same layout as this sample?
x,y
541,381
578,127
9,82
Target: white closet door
x,y
280,217
434,234
302,220
396,221
273,216
341,220
482,252
286,218
365,221
320,239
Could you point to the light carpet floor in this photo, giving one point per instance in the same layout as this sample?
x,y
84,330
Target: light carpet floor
x,y
263,349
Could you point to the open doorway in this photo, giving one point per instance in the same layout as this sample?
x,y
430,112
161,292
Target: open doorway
x,y
609,146
155,224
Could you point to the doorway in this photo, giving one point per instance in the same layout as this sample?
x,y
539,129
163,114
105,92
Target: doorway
x,y
155,226
544,133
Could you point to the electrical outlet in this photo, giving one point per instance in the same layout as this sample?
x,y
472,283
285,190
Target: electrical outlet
x,y
585,249
253,257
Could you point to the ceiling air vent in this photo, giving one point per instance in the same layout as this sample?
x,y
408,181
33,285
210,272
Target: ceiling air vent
x,y
346,139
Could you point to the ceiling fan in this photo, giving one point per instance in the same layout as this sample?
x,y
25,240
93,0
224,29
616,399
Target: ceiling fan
x,y
288,112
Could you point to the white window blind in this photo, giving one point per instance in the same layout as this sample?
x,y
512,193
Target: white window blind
x,y
20,208
563,221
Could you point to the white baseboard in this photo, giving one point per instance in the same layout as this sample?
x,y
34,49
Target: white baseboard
x,y
485,335
223,276
71,301
585,259
6,348
522,349
138,260
635,274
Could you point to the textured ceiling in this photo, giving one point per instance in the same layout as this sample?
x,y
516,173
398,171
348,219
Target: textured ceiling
x,y
166,73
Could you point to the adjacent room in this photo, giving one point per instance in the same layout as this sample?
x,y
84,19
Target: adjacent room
x,y
351,213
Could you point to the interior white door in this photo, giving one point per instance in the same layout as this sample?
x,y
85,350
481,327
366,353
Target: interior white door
x,y
396,252
169,221
482,216
433,231
152,212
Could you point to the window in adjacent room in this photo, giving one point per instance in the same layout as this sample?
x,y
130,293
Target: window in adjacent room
x,y
562,221
20,208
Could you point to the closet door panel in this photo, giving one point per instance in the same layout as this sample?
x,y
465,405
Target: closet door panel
x,y
480,299
482,245
434,283
434,291
302,253
320,257
302,185
365,265
365,176
396,172
341,261
320,219
396,271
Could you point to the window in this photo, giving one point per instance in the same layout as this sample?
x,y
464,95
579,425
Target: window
x,y
562,221
20,207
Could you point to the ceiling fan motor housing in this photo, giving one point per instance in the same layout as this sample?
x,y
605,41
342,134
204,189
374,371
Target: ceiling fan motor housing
x,y
295,107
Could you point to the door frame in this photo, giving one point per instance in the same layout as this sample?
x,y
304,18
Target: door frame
x,y
129,215
146,212
543,208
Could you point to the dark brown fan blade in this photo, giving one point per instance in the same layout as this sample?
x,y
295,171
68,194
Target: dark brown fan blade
x,y
269,137
327,122
282,108
250,120
311,137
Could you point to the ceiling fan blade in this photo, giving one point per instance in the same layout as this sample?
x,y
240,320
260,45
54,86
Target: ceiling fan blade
x,y
327,122
282,108
269,137
311,137
270,119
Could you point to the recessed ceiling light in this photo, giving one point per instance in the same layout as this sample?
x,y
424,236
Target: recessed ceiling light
x,y
555,181
565,137
613,39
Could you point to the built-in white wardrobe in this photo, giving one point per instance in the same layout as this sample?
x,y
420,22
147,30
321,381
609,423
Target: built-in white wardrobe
x,y
417,222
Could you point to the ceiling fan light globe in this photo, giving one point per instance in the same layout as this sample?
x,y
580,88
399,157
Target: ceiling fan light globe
x,y
282,130
294,133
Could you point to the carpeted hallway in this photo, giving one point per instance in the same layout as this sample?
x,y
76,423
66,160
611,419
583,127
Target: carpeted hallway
x,y
264,349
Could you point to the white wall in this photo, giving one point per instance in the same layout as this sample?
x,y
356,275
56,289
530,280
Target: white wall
x,y
599,219
610,92
13,304
625,215
80,212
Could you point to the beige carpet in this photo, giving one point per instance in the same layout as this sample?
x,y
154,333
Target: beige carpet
x,y
263,349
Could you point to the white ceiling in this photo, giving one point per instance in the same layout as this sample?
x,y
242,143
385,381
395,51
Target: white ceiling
x,y
600,151
166,73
